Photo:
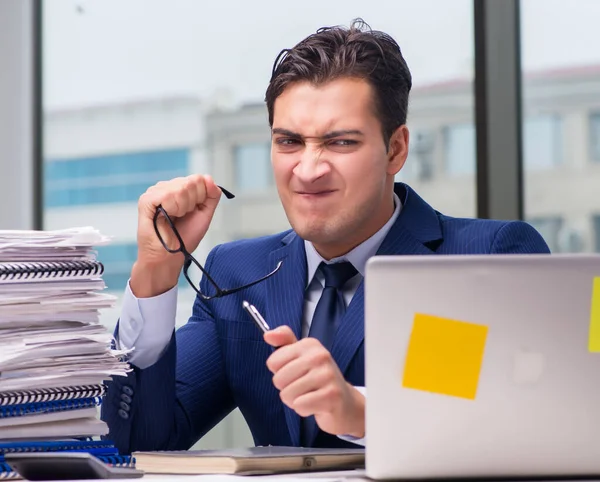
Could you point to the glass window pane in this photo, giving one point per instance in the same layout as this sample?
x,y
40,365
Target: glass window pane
x,y
595,136
550,229
542,142
252,167
561,128
420,163
127,109
460,149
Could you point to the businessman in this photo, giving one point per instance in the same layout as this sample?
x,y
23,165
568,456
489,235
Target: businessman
x,y
337,105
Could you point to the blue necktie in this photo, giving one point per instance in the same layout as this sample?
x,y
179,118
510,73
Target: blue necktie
x,y
331,306
328,314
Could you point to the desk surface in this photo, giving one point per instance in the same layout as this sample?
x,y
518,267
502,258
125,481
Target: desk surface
x,y
350,475
295,477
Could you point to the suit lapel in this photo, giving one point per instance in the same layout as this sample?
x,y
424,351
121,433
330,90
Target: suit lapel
x,y
285,302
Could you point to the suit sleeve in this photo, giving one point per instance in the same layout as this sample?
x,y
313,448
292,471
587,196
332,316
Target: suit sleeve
x,y
174,402
518,237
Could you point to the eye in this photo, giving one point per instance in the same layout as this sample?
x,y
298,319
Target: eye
x,y
286,141
344,142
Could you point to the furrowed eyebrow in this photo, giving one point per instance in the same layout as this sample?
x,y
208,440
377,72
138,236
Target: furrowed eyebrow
x,y
329,135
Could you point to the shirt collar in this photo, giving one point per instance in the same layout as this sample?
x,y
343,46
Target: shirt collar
x,y
359,255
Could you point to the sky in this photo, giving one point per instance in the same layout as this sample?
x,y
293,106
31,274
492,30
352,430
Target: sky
x,y
110,51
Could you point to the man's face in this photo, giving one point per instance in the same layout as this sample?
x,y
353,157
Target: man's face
x,y
333,172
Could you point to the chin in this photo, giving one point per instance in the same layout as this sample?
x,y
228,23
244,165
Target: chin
x,y
318,233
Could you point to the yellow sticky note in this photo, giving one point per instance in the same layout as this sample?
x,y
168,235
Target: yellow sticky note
x,y
594,338
444,356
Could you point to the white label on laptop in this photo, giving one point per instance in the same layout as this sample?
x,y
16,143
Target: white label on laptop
x,y
528,367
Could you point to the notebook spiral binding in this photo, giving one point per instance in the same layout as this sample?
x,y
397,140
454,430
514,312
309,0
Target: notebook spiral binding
x,y
101,447
7,473
48,407
51,394
123,461
49,269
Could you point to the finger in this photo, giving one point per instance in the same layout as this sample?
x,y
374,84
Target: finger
x,y
311,381
213,193
280,336
171,204
184,201
284,339
321,400
153,196
198,188
282,356
289,373
172,197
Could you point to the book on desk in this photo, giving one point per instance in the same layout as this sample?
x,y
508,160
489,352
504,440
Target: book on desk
x,y
254,460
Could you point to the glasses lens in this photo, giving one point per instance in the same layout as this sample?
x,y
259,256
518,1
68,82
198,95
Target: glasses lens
x,y
166,232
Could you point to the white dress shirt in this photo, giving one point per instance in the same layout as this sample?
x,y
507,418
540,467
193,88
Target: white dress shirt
x,y
146,324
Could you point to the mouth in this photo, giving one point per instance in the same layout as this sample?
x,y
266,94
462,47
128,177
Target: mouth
x,y
320,193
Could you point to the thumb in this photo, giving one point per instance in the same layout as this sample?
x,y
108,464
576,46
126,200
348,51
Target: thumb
x,y
213,194
282,335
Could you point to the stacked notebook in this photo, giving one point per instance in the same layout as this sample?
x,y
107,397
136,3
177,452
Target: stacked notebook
x,y
54,354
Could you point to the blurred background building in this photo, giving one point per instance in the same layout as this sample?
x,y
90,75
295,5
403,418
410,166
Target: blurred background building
x,y
99,160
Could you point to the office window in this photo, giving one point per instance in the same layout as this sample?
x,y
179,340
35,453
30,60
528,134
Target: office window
x,y
460,148
109,179
410,170
252,167
118,260
419,165
595,136
550,229
561,128
542,142
160,75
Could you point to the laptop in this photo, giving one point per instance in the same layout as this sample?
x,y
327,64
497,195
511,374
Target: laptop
x,y
482,366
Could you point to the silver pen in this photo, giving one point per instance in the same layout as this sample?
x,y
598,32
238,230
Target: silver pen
x,y
256,316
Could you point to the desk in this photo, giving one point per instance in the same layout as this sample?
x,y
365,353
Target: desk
x,y
340,476
332,476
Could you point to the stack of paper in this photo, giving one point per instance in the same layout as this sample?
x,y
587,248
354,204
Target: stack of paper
x,y
54,353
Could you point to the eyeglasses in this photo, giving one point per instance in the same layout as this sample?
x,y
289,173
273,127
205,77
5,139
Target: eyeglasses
x,y
189,259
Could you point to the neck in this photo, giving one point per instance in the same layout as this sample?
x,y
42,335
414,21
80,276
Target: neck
x,y
335,250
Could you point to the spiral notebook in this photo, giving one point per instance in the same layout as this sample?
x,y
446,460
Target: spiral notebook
x,y
43,271
28,409
51,413
54,394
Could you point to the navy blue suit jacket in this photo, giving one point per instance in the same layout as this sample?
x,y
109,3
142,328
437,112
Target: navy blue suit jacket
x,y
217,361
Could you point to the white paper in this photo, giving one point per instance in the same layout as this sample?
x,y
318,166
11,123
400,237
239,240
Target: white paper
x,y
47,417
50,335
81,427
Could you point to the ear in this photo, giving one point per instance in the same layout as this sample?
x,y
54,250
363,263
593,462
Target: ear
x,y
398,150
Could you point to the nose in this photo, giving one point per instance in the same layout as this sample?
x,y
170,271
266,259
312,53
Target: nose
x,y
312,164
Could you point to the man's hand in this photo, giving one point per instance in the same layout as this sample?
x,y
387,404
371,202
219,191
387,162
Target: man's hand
x,y
311,383
190,202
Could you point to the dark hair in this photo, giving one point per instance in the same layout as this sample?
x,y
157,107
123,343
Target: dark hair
x,y
355,52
